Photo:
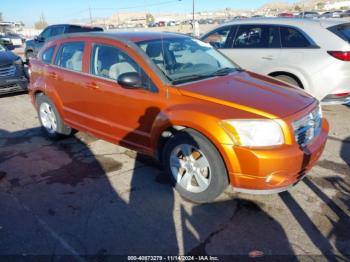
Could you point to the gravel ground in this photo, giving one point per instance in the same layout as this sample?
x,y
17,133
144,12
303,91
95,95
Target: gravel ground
x,y
83,196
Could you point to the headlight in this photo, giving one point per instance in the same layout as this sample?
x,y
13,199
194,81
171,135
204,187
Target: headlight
x,y
254,133
18,61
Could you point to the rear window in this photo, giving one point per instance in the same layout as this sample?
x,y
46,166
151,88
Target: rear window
x,y
78,29
343,31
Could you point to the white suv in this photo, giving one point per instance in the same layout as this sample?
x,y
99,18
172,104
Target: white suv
x,y
309,53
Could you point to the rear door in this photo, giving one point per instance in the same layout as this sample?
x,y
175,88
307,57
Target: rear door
x,y
255,47
66,77
300,54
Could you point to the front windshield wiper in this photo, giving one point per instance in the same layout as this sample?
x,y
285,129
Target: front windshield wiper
x,y
190,78
223,71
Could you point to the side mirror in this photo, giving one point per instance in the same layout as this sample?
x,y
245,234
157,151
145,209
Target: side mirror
x,y
39,38
130,80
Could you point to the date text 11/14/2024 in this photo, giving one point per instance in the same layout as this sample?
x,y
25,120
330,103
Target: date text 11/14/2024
x,y
173,258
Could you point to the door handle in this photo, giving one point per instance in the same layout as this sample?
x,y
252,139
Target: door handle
x,y
92,85
270,57
53,75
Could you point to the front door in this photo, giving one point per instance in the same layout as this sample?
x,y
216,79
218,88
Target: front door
x,y
116,113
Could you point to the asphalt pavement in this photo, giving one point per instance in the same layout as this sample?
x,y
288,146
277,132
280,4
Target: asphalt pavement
x,y
82,196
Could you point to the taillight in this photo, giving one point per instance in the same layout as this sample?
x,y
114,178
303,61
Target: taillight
x,y
343,56
342,94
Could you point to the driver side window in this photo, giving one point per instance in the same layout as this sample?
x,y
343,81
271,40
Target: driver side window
x,y
218,38
110,62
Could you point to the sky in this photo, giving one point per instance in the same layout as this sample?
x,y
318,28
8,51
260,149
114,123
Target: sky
x,y
60,11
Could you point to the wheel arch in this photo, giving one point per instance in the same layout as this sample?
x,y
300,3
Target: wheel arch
x,y
291,75
215,134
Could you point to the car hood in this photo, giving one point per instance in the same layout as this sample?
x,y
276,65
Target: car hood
x,y
250,92
7,57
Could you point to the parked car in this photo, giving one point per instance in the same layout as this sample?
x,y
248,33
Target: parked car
x,y
12,75
285,15
332,14
33,46
345,14
309,15
311,54
16,40
6,43
178,99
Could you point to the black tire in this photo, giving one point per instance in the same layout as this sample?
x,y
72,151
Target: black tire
x,y
218,173
61,129
289,80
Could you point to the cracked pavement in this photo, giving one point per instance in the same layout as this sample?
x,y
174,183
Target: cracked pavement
x,y
83,196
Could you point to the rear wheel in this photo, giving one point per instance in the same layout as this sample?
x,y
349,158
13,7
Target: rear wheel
x,y
289,80
50,119
195,166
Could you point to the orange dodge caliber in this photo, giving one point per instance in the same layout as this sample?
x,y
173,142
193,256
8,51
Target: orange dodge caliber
x,y
178,99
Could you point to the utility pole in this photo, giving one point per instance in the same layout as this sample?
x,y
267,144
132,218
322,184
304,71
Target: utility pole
x,y
193,13
90,15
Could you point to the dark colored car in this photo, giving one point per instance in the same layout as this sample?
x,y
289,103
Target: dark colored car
x,y
308,15
12,74
16,40
33,46
5,42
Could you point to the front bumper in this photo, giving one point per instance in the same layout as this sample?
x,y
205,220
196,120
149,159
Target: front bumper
x,y
273,170
336,100
13,84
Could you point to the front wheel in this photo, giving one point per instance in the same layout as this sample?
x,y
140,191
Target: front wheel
x,y
50,119
195,166
289,80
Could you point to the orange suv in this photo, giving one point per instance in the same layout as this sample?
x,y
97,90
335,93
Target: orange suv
x,y
178,99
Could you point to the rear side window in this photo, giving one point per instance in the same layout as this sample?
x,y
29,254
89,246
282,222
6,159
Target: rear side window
x,y
110,62
47,55
257,36
293,38
343,31
77,29
70,56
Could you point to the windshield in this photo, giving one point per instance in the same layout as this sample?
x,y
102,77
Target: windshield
x,y
2,48
186,59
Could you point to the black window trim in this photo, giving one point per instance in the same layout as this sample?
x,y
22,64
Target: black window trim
x,y
154,90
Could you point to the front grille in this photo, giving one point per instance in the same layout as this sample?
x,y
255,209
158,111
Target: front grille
x,y
308,127
8,70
